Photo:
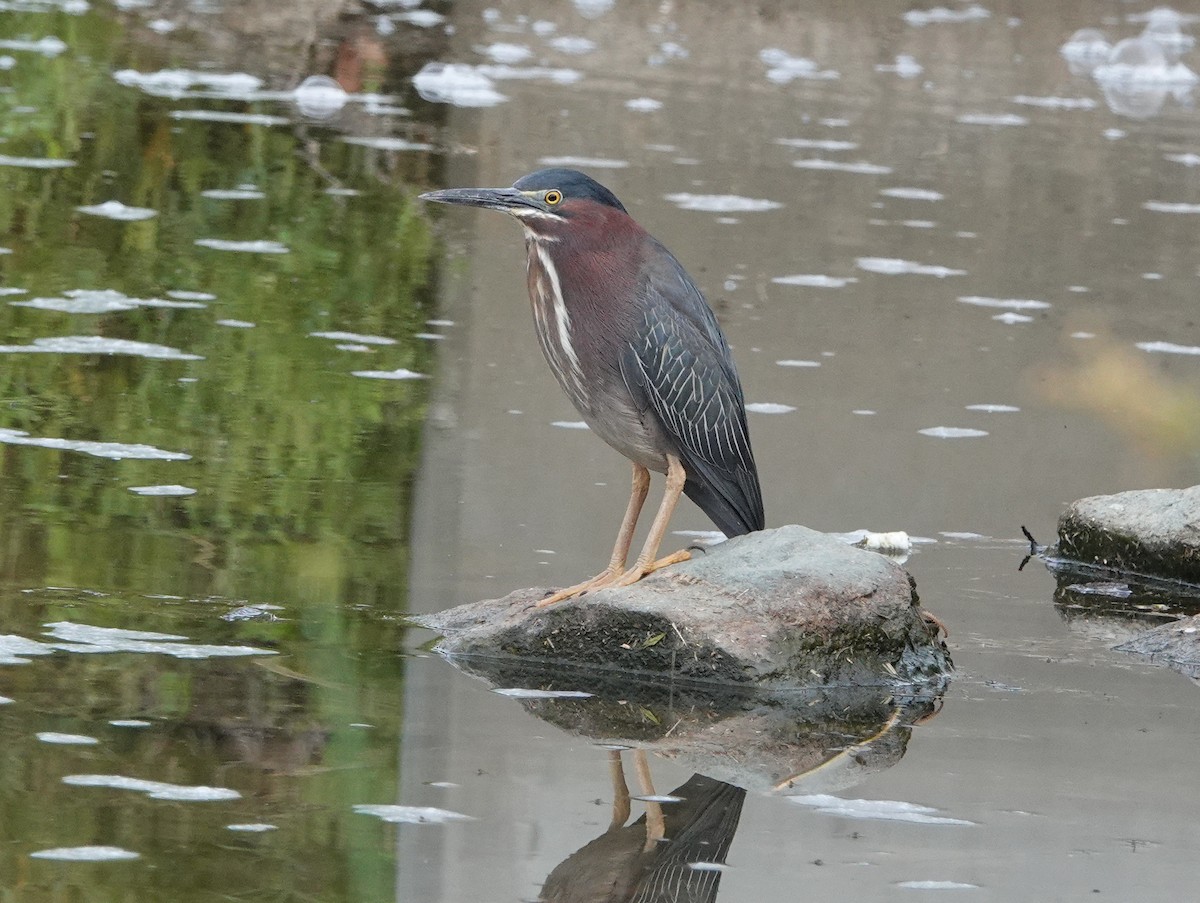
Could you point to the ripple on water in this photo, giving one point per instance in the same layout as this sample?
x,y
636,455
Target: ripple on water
x,y
35,162
861,166
883,810
85,854
827,144
169,489
229,116
1004,303
529,693
721,203
103,301
993,408
241,193
584,162
411,815
400,373
814,280
936,885
912,194
388,143
1000,119
252,828
353,337
1168,348
155,790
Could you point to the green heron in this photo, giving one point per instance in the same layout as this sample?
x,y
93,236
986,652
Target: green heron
x,y
638,351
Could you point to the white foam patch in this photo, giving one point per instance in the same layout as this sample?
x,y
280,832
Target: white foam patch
x,y
862,167
86,854
783,67
236,324
49,46
1168,348
769,407
354,337
259,246
584,162
797,363
643,104
936,885
130,722
913,194
1011,317
55,738
233,194
570,424
952,432
400,373
252,828
1189,159
1005,303
114,450
229,116
572,45
103,301
882,810
938,15
35,162
177,83
993,408
319,97
94,344
16,650
155,790
166,489
388,143
1056,103
815,280
721,203
456,84
411,815
524,693
85,638
904,66
506,52
826,144
115,210
891,266
185,295
1002,119
1171,207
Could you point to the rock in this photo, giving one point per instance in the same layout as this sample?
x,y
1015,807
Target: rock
x,y
1176,644
783,608
1154,532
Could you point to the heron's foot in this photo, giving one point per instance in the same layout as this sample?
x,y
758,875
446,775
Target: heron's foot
x,y
640,570
607,577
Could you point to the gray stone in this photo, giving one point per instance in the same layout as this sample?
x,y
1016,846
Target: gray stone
x,y
1153,532
1176,644
784,608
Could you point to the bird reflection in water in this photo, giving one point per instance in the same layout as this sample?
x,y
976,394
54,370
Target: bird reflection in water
x,y
675,851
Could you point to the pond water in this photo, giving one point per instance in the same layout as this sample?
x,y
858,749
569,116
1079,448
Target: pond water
x,y
257,404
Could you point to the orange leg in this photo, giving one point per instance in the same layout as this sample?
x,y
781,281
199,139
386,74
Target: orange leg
x,y
620,791
616,564
646,563
656,824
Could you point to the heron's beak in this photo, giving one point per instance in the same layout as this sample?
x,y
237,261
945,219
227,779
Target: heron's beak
x,y
508,200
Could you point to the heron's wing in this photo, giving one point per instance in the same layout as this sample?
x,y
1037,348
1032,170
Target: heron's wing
x,y
679,367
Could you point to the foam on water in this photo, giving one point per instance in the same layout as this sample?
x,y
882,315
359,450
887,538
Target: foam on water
x,y
993,408
388,143
891,266
155,790
49,46
354,337
904,66
883,810
1005,303
252,827
177,83
570,424
229,116
54,737
94,344
721,203
248,193
913,194
814,280
130,722
117,211
862,167
572,45
35,162
797,363
827,144
1168,348
952,432
1010,317
1056,103
769,407
919,18
1188,159
782,67
84,638
1171,207
184,295
85,854
456,84
506,52
936,885
319,97
526,693
5,700
236,324
170,489
102,301
411,815
400,373
113,450
643,104
261,246
16,650
991,119
584,162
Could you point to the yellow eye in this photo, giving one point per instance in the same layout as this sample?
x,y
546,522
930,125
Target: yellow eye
x,y
553,196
